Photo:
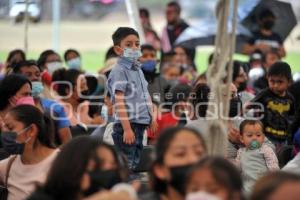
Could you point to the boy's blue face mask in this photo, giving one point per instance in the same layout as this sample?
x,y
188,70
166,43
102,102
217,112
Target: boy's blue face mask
x,y
74,63
132,54
149,66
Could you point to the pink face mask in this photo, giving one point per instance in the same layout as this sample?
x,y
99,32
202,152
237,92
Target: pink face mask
x,y
25,101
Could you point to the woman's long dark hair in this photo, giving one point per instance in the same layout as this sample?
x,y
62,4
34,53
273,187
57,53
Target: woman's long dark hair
x,y
64,178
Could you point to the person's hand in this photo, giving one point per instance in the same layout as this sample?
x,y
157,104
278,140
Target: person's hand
x,y
98,120
264,47
128,137
153,126
234,136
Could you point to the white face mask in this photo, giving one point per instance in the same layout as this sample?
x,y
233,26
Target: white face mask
x,y
53,66
201,195
132,54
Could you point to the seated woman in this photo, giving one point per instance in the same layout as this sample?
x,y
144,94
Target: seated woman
x,y
84,174
27,133
177,150
72,89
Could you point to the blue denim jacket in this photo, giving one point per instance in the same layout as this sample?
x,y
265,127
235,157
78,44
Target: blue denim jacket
x,y
128,77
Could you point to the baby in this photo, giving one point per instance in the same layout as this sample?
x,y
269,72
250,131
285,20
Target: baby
x,y
256,158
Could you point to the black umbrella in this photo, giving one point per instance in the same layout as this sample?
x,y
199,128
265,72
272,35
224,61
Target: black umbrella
x,y
285,17
204,34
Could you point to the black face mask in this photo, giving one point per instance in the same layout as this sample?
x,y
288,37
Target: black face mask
x,y
235,107
83,94
178,176
268,25
103,180
242,86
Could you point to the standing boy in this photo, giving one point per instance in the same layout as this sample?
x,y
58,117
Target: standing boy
x,y
129,94
278,104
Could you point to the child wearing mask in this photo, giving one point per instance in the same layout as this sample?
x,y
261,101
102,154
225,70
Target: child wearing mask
x,y
128,88
255,158
158,85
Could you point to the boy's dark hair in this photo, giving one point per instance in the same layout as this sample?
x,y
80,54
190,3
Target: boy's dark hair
x,y
121,33
250,122
175,4
266,13
145,12
26,63
280,69
147,47
71,51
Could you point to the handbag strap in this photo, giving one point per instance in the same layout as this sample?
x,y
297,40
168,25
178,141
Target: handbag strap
x,y
10,162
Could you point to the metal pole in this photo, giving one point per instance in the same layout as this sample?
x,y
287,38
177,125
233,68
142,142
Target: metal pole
x,y
26,18
133,14
55,24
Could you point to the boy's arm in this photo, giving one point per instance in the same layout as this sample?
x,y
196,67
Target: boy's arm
x,y
128,136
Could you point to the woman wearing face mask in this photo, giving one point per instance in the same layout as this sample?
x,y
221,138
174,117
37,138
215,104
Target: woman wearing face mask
x,y
177,150
80,174
27,133
213,179
72,88
50,61
13,88
73,59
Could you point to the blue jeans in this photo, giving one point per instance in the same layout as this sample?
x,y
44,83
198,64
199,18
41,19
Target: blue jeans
x,y
133,151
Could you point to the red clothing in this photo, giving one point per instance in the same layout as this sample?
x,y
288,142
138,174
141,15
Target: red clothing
x,y
166,120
